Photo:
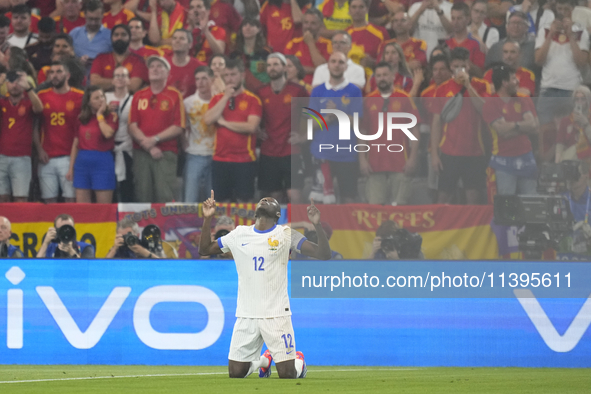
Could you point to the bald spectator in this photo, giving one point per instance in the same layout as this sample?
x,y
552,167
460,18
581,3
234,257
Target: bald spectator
x,y
156,119
526,78
21,23
103,67
341,42
6,249
311,49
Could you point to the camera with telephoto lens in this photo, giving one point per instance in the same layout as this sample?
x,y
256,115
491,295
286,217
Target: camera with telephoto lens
x,y
545,218
130,239
65,234
406,244
152,239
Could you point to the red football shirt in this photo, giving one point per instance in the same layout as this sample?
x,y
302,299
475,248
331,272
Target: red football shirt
x,y
121,18
461,137
16,127
300,49
473,46
60,120
42,74
34,21
229,145
205,53
64,25
104,65
399,101
414,49
512,111
90,136
277,119
526,78
154,113
366,40
225,16
183,78
279,25
146,51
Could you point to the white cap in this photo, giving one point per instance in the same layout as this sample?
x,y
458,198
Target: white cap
x,y
161,59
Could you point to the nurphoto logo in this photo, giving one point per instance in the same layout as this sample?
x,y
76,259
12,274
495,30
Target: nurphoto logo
x,y
345,130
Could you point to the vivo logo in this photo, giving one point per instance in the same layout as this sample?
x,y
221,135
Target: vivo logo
x,y
105,315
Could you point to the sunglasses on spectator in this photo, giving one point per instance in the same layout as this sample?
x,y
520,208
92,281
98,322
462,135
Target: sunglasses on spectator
x,y
232,104
120,75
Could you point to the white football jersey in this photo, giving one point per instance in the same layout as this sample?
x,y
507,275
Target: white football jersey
x,y
261,261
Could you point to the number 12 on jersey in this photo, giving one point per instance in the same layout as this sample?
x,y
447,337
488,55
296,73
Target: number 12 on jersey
x,y
261,261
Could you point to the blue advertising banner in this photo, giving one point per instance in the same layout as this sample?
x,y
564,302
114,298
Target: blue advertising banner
x,y
182,313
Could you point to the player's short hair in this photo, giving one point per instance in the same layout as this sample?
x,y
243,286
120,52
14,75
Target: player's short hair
x,y
459,53
204,69
364,2
572,3
235,63
128,223
66,37
344,33
21,9
120,26
187,33
62,217
501,73
206,4
140,20
61,63
46,25
462,7
316,12
93,5
384,65
437,59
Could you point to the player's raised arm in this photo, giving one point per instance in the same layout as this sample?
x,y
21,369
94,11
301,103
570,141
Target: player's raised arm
x,y
206,246
322,250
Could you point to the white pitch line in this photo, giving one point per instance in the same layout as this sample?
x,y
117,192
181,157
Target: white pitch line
x,y
191,374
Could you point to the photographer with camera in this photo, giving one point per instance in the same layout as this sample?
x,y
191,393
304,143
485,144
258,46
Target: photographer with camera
x,y
6,249
60,241
128,244
395,243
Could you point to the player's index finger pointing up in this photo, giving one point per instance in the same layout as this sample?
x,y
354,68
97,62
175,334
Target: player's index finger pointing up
x,y
212,194
312,202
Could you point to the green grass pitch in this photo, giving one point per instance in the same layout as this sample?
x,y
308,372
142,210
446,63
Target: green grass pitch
x,y
64,379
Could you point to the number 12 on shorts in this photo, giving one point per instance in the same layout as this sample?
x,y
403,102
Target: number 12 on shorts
x,y
288,342
261,261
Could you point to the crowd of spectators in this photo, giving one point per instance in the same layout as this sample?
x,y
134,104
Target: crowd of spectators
x,y
162,100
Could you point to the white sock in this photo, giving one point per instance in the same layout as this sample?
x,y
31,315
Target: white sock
x,y
299,364
263,362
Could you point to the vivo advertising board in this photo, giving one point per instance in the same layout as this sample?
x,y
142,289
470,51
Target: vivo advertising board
x,y
181,312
